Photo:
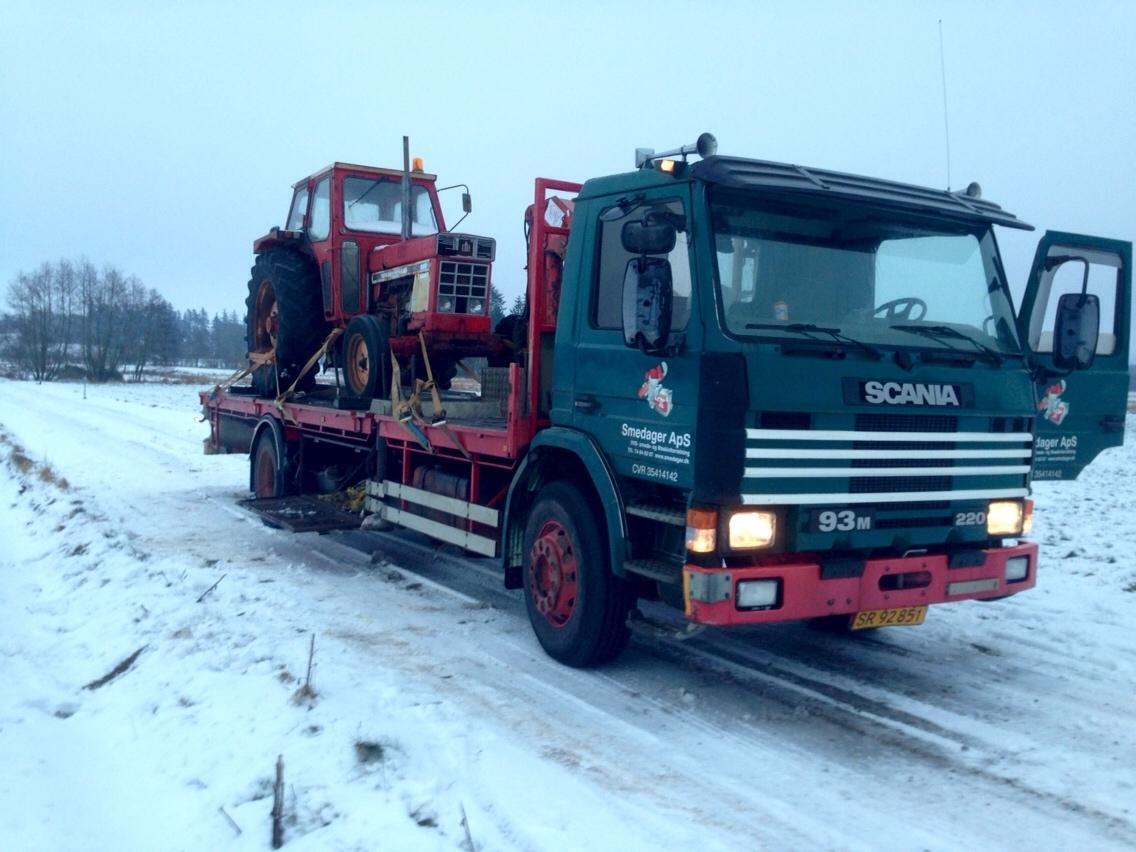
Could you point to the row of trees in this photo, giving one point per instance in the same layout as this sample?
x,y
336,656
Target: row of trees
x,y
69,317
67,313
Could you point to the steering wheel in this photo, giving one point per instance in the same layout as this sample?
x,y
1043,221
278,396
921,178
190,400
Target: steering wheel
x,y
902,309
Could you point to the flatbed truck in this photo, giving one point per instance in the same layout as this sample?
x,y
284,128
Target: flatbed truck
x,y
756,391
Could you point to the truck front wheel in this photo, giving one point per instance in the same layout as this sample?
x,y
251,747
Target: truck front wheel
x,y
577,607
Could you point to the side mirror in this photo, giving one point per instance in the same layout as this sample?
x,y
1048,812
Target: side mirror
x,y
641,238
467,202
647,294
1075,331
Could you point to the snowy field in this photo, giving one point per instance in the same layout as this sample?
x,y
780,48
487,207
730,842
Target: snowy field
x,y
436,721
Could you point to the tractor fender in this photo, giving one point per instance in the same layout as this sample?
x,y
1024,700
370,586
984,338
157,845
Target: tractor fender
x,y
274,426
558,453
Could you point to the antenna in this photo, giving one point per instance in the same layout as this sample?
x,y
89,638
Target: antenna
x,y
946,119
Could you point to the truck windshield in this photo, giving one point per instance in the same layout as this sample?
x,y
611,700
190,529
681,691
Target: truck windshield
x,y
862,271
376,206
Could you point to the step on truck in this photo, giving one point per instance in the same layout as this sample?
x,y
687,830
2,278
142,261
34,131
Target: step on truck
x,y
754,391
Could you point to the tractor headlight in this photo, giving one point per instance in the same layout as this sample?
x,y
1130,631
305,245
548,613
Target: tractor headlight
x,y
751,529
1005,517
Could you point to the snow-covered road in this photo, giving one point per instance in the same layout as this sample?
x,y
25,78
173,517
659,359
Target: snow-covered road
x,y
995,725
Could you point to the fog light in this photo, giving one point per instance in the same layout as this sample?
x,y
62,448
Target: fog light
x,y
1017,568
752,529
1004,517
758,594
701,530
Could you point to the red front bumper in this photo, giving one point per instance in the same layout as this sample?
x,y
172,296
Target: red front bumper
x,y
804,594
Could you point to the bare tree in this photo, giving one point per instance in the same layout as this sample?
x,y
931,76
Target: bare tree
x,y
42,303
151,325
105,326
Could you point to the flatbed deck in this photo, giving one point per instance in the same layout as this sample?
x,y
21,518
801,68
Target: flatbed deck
x,y
474,425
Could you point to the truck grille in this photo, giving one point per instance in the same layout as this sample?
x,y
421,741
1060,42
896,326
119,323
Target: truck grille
x,y
887,459
466,285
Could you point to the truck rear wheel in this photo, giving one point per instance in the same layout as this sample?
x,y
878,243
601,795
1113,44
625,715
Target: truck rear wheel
x,y
577,607
285,316
366,358
268,478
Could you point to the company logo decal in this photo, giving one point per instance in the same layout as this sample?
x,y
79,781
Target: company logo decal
x,y
910,393
1052,407
658,397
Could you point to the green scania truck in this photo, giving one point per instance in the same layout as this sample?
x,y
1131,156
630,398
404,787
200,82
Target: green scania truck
x,y
756,391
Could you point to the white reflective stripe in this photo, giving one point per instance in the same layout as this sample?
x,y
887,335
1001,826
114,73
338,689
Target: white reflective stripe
x,y
450,505
444,532
790,453
817,435
819,472
890,497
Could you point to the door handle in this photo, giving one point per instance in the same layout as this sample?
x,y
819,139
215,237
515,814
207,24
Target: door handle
x,y
587,404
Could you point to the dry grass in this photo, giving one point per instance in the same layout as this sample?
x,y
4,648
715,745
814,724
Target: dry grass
x,y
25,466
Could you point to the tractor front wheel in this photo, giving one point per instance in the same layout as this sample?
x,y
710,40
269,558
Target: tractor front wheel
x,y
366,358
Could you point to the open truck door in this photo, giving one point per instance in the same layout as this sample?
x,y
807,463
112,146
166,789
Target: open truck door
x,y
1075,320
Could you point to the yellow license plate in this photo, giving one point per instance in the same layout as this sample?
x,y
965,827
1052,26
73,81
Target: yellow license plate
x,y
906,616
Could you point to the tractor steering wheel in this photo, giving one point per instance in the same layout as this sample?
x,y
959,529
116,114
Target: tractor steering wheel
x,y
902,309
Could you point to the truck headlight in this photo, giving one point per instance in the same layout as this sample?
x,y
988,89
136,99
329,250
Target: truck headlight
x,y
1005,517
446,304
751,529
476,306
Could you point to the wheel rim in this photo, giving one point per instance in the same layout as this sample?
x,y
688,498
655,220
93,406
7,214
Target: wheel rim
x,y
358,367
267,320
265,479
553,575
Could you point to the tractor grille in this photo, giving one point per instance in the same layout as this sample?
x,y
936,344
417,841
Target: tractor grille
x,y
463,286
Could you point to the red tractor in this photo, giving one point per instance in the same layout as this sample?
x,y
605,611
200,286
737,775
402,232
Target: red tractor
x,y
366,250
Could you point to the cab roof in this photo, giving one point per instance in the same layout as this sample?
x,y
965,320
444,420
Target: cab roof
x,y
791,182
367,170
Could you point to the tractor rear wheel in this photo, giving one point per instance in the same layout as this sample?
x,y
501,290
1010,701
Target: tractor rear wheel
x,y
577,607
285,316
366,358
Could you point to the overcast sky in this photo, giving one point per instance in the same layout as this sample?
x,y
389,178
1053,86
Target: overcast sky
x,y
164,137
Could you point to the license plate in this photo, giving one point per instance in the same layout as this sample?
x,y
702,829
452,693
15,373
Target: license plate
x,y
906,616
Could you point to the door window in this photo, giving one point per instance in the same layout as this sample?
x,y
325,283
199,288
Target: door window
x,y
607,308
1065,273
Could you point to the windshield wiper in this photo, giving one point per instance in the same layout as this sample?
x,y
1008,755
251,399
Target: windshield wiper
x,y
940,332
810,329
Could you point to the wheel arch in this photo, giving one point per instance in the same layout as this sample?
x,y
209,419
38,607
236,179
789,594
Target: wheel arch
x,y
559,453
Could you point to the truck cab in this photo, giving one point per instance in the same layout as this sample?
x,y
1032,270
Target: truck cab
x,y
811,391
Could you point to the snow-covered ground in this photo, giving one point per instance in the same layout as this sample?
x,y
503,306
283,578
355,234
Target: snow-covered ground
x,y
437,723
